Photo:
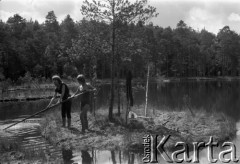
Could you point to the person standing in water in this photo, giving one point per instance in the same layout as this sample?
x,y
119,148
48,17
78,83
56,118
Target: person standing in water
x,y
85,89
62,88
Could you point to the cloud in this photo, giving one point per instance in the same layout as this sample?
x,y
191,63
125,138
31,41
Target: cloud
x,y
5,14
59,7
38,9
211,14
234,17
200,18
171,12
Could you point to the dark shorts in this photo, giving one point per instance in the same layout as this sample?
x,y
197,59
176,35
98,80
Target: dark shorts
x,y
66,109
84,103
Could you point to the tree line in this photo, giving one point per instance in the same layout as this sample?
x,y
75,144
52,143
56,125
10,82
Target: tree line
x,y
85,46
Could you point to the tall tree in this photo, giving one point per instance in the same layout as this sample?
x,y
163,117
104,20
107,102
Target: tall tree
x,y
51,23
51,53
206,41
17,24
228,43
113,11
68,32
90,45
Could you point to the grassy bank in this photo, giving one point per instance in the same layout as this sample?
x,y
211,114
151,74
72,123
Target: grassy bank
x,y
181,125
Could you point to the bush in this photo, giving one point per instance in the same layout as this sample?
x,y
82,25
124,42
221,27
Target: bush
x,y
48,80
38,70
27,77
5,84
42,79
26,80
2,77
70,70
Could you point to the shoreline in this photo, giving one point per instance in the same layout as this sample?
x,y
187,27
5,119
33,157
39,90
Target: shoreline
x,y
47,94
49,85
182,126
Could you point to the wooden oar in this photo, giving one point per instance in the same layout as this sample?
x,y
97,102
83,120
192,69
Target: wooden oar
x,y
45,109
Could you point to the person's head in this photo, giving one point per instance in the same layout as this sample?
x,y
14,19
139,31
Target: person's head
x,y
81,79
56,80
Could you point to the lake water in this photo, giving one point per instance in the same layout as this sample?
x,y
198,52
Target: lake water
x,y
222,96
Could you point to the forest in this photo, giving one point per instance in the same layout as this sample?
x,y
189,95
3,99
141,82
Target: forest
x,y
67,48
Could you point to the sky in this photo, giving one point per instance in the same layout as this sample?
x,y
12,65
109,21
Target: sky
x,y
212,15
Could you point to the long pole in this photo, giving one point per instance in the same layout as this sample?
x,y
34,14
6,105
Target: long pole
x,y
45,109
147,90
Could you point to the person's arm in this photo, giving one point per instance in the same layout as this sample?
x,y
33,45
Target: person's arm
x,y
52,99
77,92
91,88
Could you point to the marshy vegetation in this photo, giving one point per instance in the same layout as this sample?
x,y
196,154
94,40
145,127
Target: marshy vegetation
x,y
105,135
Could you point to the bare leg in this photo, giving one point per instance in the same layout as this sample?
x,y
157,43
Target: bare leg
x,y
83,118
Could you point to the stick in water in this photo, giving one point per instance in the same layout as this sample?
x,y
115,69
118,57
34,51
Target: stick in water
x,y
45,109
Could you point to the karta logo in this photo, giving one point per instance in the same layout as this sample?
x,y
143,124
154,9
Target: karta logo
x,y
152,149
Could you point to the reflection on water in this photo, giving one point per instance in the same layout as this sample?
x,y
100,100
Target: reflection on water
x,y
215,95
221,96
67,156
18,110
26,93
125,157
106,157
210,95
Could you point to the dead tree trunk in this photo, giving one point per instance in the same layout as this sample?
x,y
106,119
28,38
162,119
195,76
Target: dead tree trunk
x,y
129,92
